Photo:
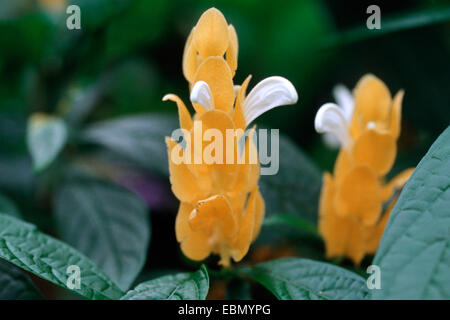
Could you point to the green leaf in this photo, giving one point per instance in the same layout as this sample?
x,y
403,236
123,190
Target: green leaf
x,y
414,252
6,206
392,24
26,247
304,279
107,223
296,187
15,284
46,136
181,286
138,138
291,220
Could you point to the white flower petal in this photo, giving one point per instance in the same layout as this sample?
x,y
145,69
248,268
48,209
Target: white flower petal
x,y
344,99
331,141
330,118
201,94
269,93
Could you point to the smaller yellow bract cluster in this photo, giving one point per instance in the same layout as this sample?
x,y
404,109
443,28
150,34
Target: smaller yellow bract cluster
x,y
221,208
352,213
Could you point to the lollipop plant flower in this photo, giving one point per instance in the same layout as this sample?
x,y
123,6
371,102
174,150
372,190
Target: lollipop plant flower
x,y
221,208
356,200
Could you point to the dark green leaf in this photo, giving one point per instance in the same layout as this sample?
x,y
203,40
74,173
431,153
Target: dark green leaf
x,y
181,286
46,137
295,188
291,220
392,24
304,279
107,223
414,253
6,206
15,284
137,138
26,247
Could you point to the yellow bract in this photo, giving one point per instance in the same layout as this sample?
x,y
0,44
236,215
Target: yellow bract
x,y
221,209
352,216
211,37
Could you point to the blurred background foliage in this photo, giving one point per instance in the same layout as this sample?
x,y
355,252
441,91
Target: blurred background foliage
x,y
128,55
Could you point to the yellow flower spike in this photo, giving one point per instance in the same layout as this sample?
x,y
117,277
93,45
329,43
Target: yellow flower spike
x,y
341,235
224,174
238,115
260,209
196,246
182,179
395,117
217,74
377,150
215,217
396,183
182,228
372,103
342,165
232,51
189,59
374,233
362,181
211,34
247,222
248,175
221,209
183,113
366,126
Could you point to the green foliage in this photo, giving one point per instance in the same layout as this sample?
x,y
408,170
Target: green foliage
x,y
296,186
414,253
46,137
26,247
107,223
6,206
181,286
137,138
291,220
303,279
410,20
15,285
93,97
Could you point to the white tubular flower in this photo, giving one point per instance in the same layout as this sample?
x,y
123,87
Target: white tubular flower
x,y
331,119
201,94
270,93
345,102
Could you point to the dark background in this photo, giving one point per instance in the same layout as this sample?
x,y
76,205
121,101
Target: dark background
x,y
128,55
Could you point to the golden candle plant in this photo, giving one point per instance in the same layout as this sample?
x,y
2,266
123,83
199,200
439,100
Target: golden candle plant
x,y
221,209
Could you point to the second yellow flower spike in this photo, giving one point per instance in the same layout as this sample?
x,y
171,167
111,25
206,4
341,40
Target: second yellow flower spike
x,y
355,201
